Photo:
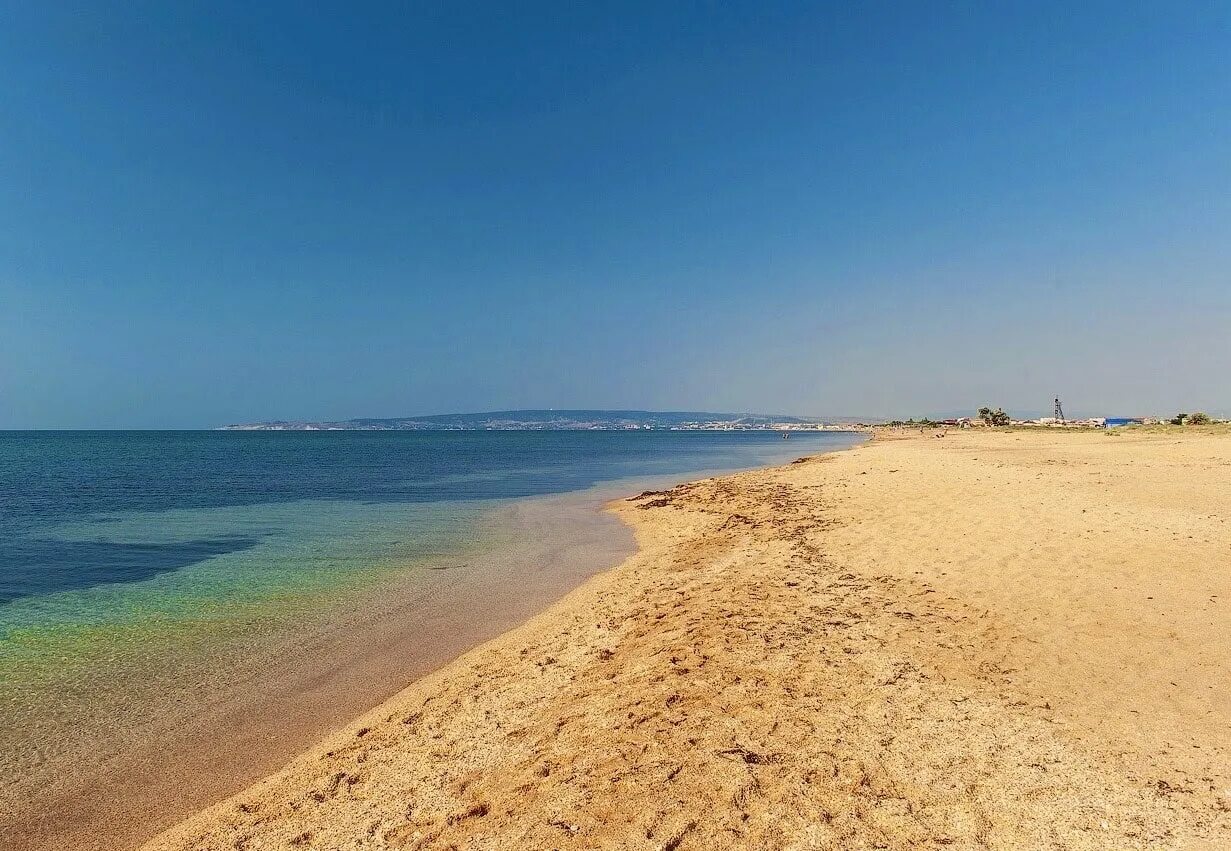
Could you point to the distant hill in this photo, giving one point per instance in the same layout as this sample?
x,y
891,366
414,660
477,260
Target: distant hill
x,y
546,420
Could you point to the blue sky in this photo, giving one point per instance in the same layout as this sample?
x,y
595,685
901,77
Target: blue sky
x,y
218,212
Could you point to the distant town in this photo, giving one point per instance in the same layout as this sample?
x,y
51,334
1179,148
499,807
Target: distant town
x,y
598,420
563,420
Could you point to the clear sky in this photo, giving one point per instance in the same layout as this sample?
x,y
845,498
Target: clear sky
x,y
219,212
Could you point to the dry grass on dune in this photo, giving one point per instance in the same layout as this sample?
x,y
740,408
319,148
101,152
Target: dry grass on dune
x,y
992,640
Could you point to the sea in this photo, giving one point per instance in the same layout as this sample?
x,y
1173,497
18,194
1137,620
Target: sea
x,y
172,587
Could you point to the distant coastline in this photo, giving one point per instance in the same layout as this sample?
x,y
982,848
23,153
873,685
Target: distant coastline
x,y
635,420
568,420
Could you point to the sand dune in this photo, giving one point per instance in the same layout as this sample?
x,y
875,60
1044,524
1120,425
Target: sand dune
x,y
995,640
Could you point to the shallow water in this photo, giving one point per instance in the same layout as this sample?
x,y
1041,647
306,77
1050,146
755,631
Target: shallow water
x,y
181,593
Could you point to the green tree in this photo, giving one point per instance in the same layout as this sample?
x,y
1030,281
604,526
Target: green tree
x,y
995,418
1178,419
1198,418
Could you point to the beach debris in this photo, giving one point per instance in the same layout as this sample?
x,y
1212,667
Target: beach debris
x,y
899,671
751,757
674,842
570,829
334,785
738,520
663,498
477,811
661,502
1165,788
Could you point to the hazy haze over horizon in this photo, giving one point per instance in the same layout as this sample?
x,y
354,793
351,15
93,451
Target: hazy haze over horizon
x,y
231,214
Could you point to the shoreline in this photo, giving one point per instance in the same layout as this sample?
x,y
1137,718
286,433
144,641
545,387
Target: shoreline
x,y
884,646
189,755
268,710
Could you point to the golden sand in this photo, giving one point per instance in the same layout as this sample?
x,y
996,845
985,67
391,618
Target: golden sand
x,y
1004,640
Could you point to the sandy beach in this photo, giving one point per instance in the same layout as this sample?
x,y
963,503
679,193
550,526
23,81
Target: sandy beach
x,y
1002,640
146,758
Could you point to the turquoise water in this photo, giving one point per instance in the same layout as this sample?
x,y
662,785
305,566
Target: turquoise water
x,y
181,612
123,552
296,555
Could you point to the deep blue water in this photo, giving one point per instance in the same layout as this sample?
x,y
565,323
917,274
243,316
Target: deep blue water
x,y
80,510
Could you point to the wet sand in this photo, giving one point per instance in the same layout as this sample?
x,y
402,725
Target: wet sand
x,y
996,640
132,770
